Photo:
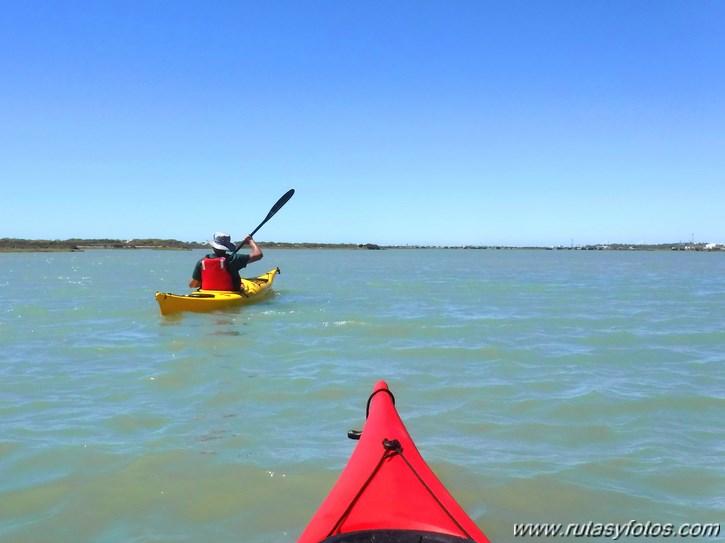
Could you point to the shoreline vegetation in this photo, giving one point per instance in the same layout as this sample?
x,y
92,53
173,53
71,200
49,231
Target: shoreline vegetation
x,y
8,245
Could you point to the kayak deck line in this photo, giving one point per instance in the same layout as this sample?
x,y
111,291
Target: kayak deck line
x,y
387,493
370,399
392,447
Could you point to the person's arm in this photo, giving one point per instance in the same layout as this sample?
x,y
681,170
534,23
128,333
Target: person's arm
x,y
195,281
256,253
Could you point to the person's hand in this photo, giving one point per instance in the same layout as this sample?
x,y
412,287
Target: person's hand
x,y
246,240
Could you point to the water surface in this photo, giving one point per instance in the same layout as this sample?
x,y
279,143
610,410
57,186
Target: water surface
x,y
541,386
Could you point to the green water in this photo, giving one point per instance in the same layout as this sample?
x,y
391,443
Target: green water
x,y
541,386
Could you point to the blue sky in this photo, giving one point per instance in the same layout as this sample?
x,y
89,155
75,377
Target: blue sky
x,y
408,122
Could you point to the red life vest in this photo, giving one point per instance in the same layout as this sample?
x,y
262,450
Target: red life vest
x,y
215,275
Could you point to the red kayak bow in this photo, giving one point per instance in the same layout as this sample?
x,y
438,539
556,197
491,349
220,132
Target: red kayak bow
x,y
387,493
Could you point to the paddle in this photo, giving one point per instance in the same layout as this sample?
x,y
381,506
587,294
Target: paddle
x,y
275,208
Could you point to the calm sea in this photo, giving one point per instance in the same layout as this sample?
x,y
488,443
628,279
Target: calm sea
x,y
541,386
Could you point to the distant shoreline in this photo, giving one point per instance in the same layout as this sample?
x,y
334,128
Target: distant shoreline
x,y
78,245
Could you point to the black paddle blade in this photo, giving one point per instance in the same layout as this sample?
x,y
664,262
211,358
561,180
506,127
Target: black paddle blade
x,y
275,208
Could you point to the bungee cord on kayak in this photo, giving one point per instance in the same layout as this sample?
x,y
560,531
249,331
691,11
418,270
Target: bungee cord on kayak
x,y
392,447
386,454
370,399
387,493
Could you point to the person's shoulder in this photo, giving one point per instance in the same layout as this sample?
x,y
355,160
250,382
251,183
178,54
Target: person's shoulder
x,y
238,257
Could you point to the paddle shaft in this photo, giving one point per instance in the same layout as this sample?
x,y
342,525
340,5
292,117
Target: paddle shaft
x,y
275,208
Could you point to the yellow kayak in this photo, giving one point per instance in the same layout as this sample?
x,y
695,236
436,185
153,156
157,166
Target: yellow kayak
x,y
254,289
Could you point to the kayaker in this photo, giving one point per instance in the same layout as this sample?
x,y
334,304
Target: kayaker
x,y
220,270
